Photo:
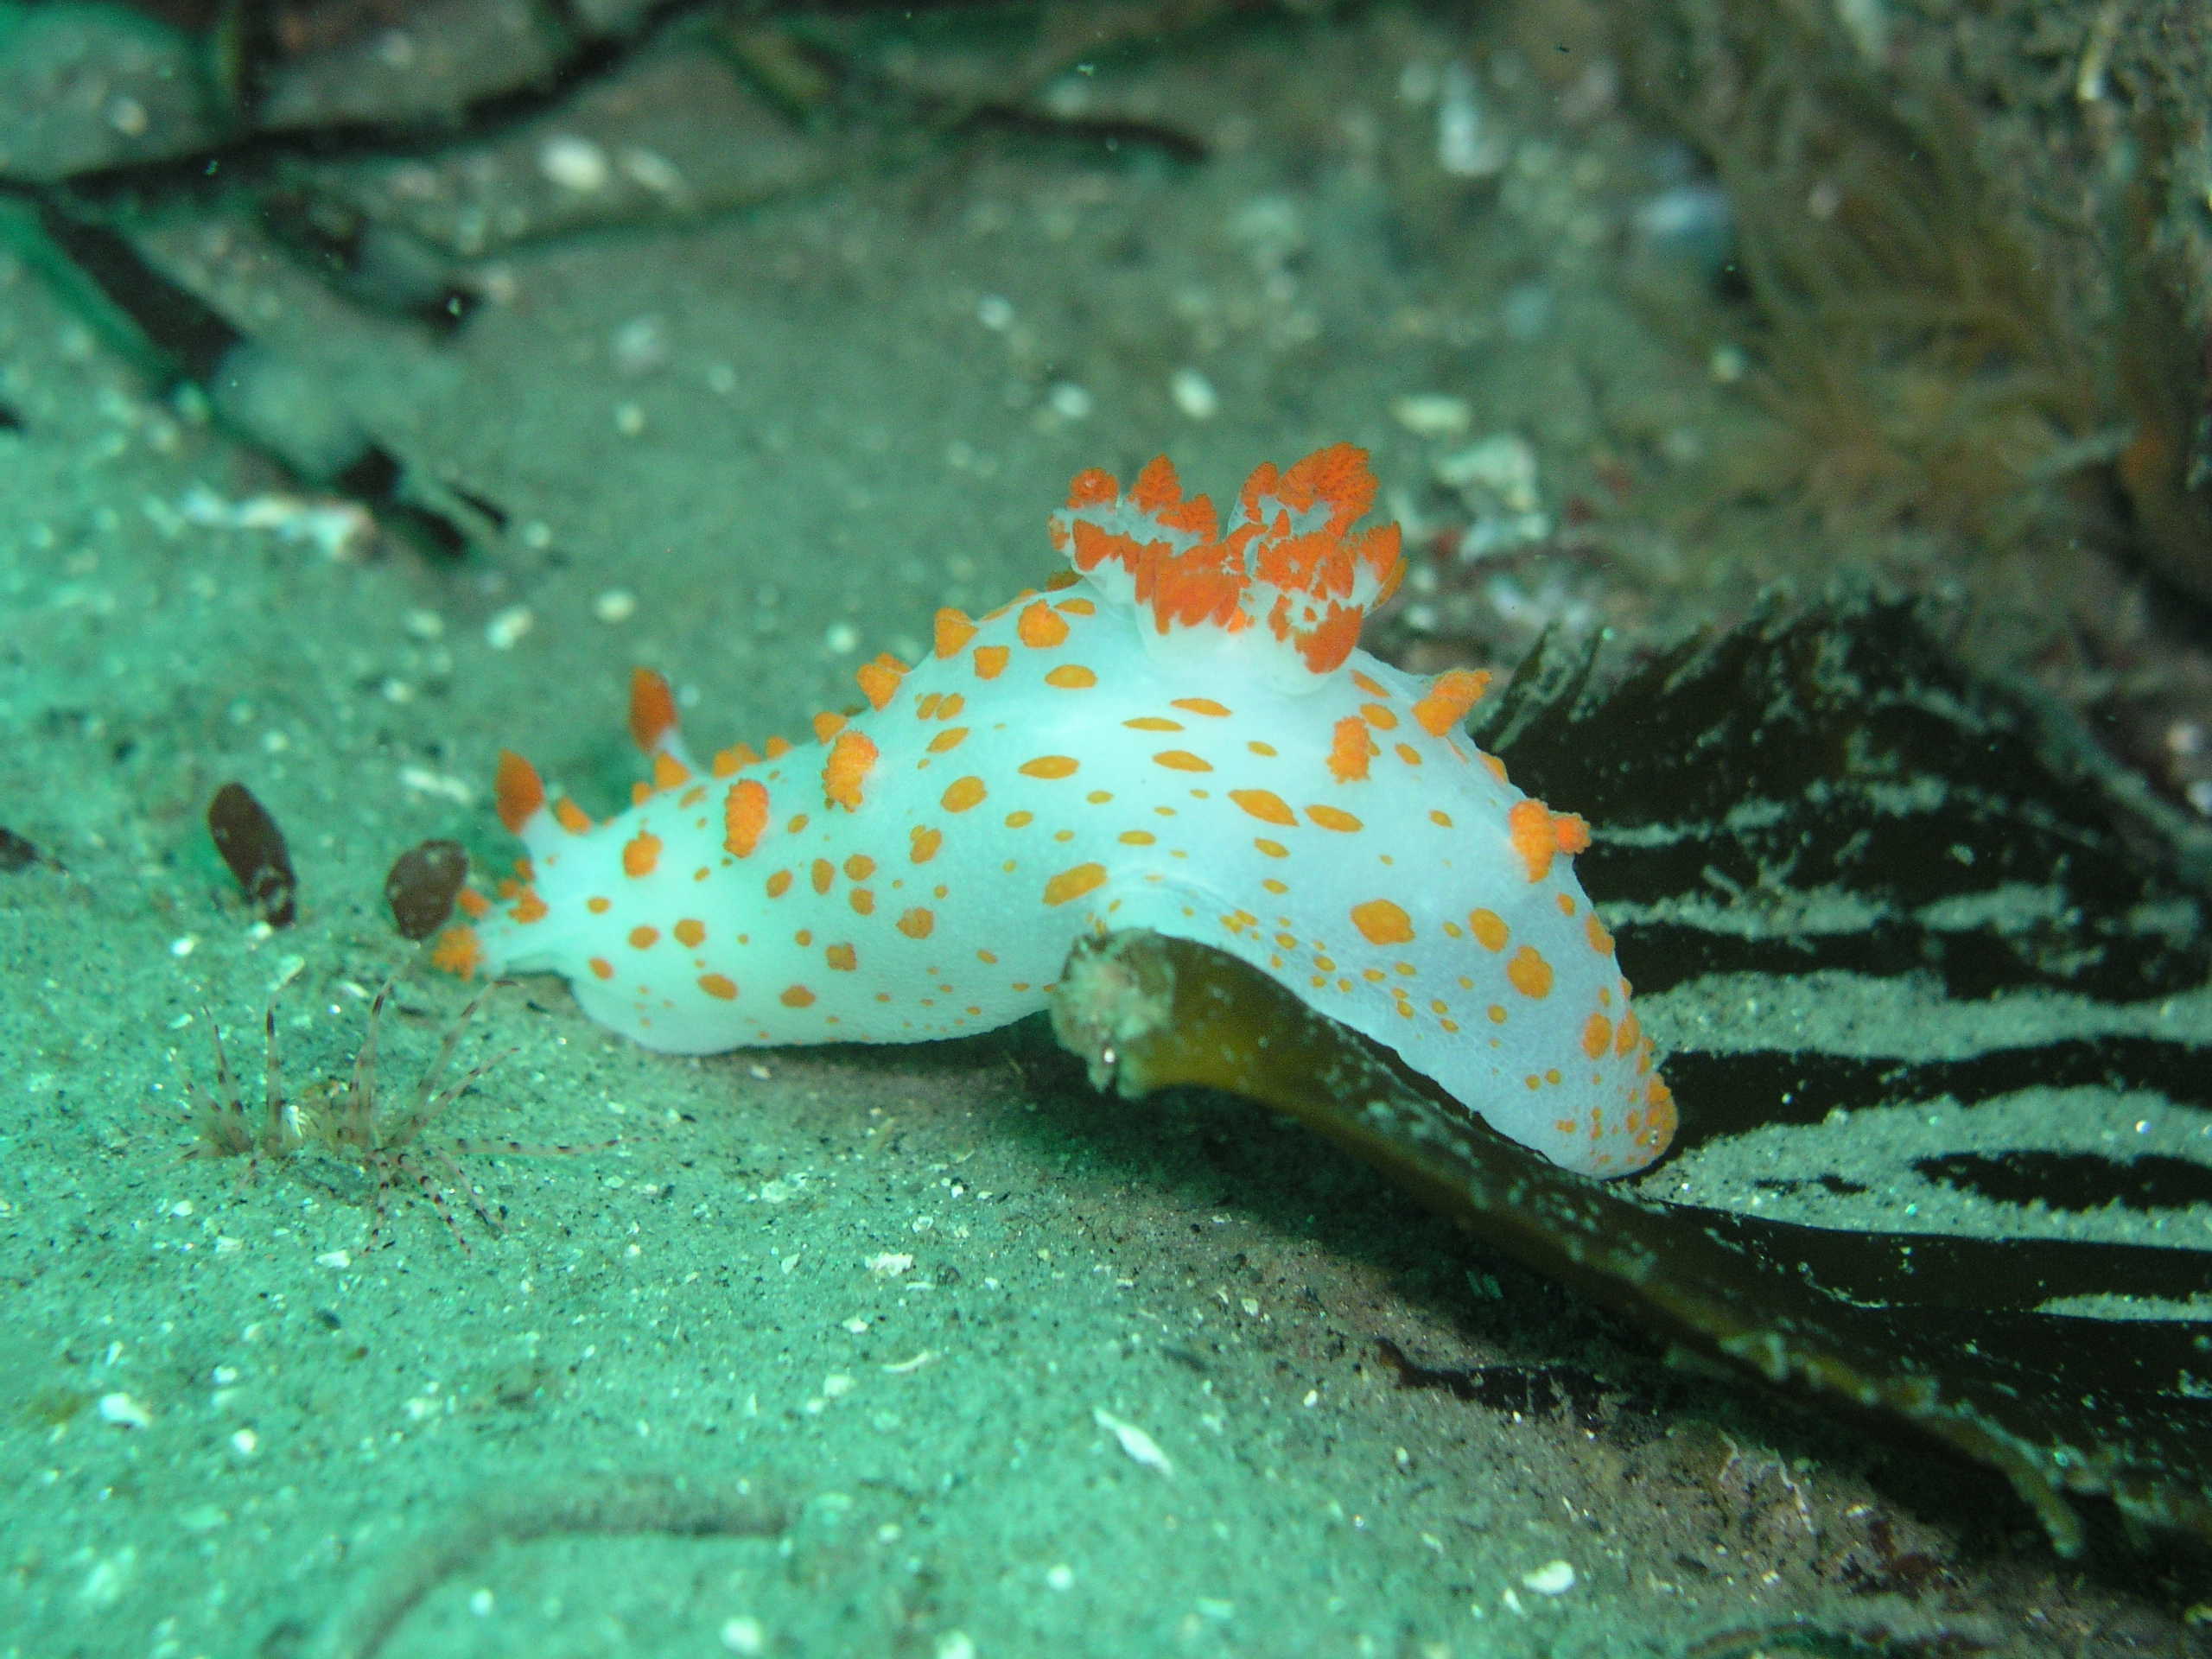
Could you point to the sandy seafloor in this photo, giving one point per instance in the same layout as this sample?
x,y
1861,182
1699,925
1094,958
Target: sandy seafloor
x,y
827,1354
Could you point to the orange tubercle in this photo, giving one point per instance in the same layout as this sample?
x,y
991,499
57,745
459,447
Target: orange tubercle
x,y
878,680
518,790
954,630
652,709
1541,834
1449,697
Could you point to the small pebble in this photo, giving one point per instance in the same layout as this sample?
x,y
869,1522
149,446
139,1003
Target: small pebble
x,y
124,1412
1194,394
1552,1578
575,163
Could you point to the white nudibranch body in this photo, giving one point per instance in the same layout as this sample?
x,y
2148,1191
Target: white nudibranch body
x,y
1180,734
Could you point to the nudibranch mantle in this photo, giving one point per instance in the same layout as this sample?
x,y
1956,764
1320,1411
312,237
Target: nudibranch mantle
x,y
1180,734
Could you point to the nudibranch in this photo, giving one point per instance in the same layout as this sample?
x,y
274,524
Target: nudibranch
x,y
1178,734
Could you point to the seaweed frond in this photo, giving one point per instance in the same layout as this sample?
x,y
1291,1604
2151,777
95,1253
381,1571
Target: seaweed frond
x,y
1913,334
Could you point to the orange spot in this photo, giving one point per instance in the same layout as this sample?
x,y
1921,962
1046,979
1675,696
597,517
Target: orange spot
x,y
1449,696
720,986
691,933
601,968
1597,1036
1630,1033
669,773
824,873
1350,750
776,748
859,866
1272,849
640,853
991,661
652,709
571,817
862,901
1137,837
1071,676
1489,929
1330,817
963,794
1041,627
1154,723
643,938
1264,804
878,680
951,738
744,815
1367,682
827,725
1050,766
850,759
475,905
925,843
1382,922
1205,706
519,789
950,707
1381,718
1600,941
953,630
1074,883
1530,973
843,957
917,923
796,996
779,883
1181,761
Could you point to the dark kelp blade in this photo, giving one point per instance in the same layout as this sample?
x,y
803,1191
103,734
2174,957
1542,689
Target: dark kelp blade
x,y
2057,1404
1935,982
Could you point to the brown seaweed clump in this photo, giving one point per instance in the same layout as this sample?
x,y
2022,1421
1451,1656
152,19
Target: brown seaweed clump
x,y
1940,356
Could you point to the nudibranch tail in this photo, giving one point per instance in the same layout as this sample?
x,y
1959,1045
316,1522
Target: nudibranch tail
x,y
1180,734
